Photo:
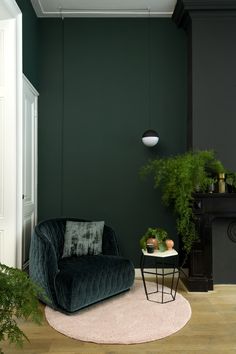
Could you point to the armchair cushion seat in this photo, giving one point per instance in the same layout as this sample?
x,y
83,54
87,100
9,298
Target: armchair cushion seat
x,y
93,278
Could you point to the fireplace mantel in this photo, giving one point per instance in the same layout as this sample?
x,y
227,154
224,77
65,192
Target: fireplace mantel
x,y
207,208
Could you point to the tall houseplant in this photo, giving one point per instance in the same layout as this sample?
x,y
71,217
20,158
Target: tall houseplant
x,y
18,300
179,177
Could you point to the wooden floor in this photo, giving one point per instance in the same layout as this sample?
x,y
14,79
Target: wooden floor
x,y
211,329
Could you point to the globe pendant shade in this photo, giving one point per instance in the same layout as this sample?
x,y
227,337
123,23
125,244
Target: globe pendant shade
x,y
150,138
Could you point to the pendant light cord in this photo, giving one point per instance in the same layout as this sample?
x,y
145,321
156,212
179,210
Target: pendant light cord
x,y
150,137
62,105
149,68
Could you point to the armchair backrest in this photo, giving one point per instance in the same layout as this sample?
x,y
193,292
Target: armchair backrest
x,y
54,230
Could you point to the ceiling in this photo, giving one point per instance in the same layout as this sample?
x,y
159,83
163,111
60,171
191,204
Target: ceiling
x,y
4,14
103,8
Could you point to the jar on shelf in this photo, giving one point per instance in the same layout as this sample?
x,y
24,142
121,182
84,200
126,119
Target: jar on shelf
x,y
221,183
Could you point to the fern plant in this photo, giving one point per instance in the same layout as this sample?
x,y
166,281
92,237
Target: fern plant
x,y
18,300
179,177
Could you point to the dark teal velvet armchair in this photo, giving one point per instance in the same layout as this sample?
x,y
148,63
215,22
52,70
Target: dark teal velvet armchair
x,y
73,283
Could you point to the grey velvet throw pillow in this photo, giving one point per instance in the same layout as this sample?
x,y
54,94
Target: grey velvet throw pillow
x,y
83,238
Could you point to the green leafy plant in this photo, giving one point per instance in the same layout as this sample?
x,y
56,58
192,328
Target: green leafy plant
x,y
158,233
179,177
18,300
214,166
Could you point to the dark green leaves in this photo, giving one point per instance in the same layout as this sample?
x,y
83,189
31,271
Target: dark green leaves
x,y
18,299
179,177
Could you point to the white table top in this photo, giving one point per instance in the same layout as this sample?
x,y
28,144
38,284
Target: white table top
x,y
164,254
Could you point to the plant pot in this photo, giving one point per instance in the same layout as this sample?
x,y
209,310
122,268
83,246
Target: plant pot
x,y
153,241
169,244
162,246
150,248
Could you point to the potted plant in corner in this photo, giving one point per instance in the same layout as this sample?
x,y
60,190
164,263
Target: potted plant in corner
x,y
179,177
18,300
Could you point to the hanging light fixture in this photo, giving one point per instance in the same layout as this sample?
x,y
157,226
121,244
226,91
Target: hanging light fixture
x,y
150,137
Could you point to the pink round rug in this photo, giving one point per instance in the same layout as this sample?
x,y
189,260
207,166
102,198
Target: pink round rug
x,y
127,318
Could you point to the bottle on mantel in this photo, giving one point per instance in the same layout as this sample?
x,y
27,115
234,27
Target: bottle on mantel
x,y
221,183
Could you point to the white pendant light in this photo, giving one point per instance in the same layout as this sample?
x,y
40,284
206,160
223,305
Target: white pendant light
x,y
150,138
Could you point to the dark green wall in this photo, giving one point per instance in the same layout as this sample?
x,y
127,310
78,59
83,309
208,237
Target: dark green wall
x,y
50,127
93,111
213,71
30,42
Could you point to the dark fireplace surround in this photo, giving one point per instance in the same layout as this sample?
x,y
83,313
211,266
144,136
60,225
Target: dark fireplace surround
x,y
207,208
210,26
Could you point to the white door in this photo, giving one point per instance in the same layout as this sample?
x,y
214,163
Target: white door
x,y
10,131
29,197
7,143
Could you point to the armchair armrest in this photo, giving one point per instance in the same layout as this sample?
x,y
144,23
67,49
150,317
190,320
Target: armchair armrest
x,y
43,266
109,242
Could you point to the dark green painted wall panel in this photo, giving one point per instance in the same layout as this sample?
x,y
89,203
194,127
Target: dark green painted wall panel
x,y
50,119
30,42
90,150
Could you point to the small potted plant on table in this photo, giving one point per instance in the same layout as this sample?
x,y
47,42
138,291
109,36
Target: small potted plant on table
x,y
156,236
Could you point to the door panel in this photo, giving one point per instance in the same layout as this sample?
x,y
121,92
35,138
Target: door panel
x,y
29,197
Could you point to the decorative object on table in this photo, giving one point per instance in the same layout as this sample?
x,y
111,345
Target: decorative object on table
x,y
221,183
126,319
150,247
169,244
162,246
155,236
72,283
18,300
152,241
179,177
